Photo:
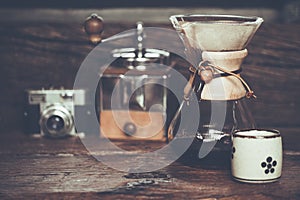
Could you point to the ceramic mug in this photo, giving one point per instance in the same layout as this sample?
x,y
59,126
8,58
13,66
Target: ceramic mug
x,y
256,155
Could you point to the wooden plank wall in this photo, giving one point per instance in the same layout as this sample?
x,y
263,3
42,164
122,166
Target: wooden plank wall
x,y
37,55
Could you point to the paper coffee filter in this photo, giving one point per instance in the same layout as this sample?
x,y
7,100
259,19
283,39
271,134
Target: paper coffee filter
x,y
217,32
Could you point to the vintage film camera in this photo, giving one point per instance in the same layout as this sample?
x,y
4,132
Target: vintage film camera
x,y
51,112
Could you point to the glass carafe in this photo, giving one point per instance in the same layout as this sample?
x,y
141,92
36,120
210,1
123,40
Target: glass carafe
x,y
216,45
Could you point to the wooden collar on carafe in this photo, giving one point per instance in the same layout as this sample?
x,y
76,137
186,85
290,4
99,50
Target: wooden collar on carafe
x,y
207,72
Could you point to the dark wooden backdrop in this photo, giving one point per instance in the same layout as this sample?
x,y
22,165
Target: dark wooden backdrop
x,y
35,55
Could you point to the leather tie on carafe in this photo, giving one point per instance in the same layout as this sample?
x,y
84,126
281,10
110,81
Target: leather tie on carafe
x,y
206,73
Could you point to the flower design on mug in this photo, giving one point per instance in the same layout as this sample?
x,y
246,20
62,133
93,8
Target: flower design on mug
x,y
233,151
269,164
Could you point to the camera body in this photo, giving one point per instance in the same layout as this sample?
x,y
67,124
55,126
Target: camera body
x,y
51,112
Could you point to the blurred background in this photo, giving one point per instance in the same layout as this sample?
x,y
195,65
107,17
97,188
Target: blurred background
x,y
149,11
43,44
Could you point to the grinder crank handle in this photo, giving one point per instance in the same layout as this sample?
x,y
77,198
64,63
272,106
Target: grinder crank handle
x,y
93,26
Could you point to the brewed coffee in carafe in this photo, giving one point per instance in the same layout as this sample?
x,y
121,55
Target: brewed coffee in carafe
x,y
216,47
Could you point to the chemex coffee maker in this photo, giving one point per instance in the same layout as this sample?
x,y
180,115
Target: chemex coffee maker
x,y
216,47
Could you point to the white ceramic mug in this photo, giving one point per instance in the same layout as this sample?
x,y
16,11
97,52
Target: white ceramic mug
x,y
256,155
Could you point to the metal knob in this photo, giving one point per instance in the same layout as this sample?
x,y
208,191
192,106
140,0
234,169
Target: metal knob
x,y
129,129
93,27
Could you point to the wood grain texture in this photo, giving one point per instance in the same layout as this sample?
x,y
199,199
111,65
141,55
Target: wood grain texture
x,y
38,55
40,168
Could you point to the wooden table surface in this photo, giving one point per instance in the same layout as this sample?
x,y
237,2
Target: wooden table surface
x,y
40,168
34,55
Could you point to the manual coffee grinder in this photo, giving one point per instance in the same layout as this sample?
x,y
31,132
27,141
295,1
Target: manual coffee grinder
x,y
133,96
216,47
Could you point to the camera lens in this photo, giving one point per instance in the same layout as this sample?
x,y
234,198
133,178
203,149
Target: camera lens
x,y
55,123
